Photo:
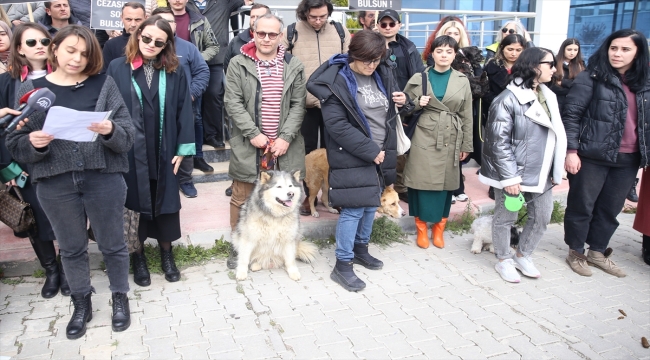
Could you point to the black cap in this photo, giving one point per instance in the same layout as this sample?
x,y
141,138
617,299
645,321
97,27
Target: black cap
x,y
390,13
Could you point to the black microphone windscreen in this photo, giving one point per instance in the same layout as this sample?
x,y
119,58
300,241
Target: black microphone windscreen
x,y
41,100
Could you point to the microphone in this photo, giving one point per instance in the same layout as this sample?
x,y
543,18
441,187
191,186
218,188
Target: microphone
x,y
5,120
39,100
78,86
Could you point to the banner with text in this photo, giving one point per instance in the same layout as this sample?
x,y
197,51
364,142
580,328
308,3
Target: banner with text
x,y
378,5
8,2
105,14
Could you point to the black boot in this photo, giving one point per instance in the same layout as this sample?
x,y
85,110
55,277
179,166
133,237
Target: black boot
x,y
344,275
231,263
65,288
632,195
83,313
169,266
491,193
141,274
52,280
645,249
121,319
363,258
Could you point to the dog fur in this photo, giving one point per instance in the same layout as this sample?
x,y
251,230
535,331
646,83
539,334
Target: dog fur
x,y
267,233
482,230
468,60
316,179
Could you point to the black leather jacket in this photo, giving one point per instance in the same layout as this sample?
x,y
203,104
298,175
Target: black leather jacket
x,y
594,117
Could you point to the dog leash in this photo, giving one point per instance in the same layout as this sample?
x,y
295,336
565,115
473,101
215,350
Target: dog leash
x,y
533,199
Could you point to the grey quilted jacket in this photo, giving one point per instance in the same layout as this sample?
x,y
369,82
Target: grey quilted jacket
x,y
20,12
522,144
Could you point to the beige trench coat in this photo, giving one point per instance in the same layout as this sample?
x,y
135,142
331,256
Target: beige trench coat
x,y
443,131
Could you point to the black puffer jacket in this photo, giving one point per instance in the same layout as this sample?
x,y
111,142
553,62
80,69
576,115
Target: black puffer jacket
x,y
355,180
594,117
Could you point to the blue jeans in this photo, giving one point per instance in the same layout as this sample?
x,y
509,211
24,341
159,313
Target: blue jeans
x,y
198,127
354,227
69,201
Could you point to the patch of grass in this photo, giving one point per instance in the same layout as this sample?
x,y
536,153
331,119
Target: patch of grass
x,y
272,323
102,266
628,209
462,223
385,232
557,216
231,275
2,272
324,243
39,273
12,281
186,256
20,346
240,288
115,343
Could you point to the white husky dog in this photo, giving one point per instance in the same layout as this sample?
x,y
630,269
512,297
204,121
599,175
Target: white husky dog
x,y
267,233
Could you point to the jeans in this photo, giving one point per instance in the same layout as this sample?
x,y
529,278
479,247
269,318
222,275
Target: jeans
x,y
354,227
69,200
539,215
596,196
311,124
213,105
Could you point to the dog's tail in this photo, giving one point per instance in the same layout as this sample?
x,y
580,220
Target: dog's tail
x,y
306,251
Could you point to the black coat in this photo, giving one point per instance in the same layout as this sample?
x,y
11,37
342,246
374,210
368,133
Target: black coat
x,y
497,82
562,90
595,113
405,68
354,179
177,136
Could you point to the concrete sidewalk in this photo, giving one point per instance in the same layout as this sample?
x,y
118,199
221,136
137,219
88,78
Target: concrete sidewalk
x,y
435,303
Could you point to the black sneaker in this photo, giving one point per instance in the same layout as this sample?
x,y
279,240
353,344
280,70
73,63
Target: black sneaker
x,y
215,143
201,164
229,191
121,319
632,195
344,275
189,190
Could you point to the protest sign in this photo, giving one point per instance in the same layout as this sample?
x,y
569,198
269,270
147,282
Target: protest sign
x,y
379,5
105,14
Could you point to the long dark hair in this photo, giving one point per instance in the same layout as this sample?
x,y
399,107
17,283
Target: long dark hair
x,y
367,45
507,41
167,57
17,61
638,73
576,65
302,11
527,65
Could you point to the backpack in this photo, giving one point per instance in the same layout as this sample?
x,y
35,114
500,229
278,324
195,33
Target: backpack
x,y
292,34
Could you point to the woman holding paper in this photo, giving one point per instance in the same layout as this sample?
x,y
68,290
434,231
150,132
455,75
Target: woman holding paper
x,y
80,181
159,101
29,46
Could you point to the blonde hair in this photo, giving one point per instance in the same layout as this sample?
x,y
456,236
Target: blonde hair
x,y
463,41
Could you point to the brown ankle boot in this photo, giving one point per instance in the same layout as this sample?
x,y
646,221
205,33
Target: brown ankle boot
x,y
436,233
423,239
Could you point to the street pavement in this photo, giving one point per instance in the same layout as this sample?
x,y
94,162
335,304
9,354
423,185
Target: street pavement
x,y
435,303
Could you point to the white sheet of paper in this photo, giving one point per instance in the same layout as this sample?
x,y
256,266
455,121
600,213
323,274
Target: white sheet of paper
x,y
68,124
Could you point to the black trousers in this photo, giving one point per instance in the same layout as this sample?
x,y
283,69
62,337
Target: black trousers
x,y
312,123
213,105
596,196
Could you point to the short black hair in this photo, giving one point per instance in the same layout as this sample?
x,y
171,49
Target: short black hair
x,y
302,11
134,5
527,65
367,45
637,75
444,40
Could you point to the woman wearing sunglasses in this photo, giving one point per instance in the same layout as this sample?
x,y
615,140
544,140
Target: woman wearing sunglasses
x,y
442,138
82,181
358,93
29,47
158,99
509,28
523,153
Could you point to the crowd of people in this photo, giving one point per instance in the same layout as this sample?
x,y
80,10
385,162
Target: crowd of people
x,y
528,116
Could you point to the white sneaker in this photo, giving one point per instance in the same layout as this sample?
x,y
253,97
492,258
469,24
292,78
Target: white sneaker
x,y
453,199
462,197
507,270
526,266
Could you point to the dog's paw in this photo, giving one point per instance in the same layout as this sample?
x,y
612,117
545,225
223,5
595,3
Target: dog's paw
x,y
491,248
241,274
256,267
294,274
315,214
333,210
475,250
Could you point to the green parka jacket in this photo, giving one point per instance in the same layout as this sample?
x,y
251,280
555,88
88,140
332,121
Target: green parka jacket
x,y
444,130
243,103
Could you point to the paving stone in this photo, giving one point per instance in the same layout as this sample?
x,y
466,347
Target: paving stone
x,y
158,328
497,328
462,324
245,326
449,337
631,344
312,315
67,350
433,349
362,308
161,348
38,347
523,346
560,351
327,334
414,331
398,346
279,307
346,320
338,351
183,315
585,351
427,317
468,352
188,335
488,344
128,343
12,322
392,312
220,343
329,302
207,303
215,320
378,325
196,351
378,353
361,341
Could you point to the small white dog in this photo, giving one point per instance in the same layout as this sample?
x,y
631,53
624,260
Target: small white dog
x,y
482,230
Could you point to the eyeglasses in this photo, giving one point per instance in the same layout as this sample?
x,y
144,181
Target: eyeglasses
x,y
318,18
43,41
509,31
262,35
390,24
550,63
147,40
371,62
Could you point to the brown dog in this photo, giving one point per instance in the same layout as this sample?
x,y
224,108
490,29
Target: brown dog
x,y
316,179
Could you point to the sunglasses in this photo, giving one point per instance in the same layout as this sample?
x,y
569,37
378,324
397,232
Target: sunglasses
x,y
32,42
263,35
148,40
385,25
550,63
509,31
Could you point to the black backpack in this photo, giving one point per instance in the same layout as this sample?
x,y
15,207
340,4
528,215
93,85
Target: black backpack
x,y
292,34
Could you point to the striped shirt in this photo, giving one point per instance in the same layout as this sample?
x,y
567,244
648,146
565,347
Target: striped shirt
x,y
270,74
200,4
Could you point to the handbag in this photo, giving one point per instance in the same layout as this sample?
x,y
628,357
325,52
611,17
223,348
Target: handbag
x,y
15,212
403,141
131,224
411,122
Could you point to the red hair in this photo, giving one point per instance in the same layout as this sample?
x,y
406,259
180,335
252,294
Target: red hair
x,y
443,21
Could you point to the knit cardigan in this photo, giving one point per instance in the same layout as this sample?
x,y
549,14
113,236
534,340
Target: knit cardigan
x,y
107,154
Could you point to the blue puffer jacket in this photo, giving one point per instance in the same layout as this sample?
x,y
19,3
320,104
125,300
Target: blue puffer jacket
x,y
355,180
